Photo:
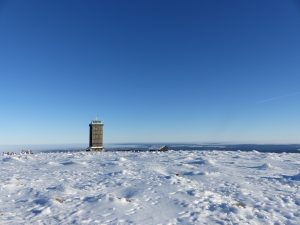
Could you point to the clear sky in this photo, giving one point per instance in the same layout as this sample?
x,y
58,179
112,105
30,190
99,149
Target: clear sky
x,y
153,71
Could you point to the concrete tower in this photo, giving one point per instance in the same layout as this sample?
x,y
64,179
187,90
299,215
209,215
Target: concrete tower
x,y
96,136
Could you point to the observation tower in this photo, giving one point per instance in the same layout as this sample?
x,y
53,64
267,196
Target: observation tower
x,y
96,136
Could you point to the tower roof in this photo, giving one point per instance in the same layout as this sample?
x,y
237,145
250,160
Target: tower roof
x,y
96,122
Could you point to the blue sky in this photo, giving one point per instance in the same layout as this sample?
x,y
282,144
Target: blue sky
x,y
153,71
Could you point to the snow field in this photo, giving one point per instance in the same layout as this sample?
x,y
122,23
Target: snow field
x,y
176,187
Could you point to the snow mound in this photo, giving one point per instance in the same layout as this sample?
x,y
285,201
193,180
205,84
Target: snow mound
x,y
201,161
265,166
295,177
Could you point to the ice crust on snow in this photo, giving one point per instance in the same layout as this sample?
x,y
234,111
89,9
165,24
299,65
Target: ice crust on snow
x,y
177,187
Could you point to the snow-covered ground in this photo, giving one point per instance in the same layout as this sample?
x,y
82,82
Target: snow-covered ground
x,y
175,187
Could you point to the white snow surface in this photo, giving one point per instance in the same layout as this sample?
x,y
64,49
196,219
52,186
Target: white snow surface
x,y
175,187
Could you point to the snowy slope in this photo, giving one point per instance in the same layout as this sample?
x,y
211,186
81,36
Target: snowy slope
x,y
176,187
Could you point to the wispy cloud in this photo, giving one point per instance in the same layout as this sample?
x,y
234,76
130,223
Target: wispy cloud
x,y
278,97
